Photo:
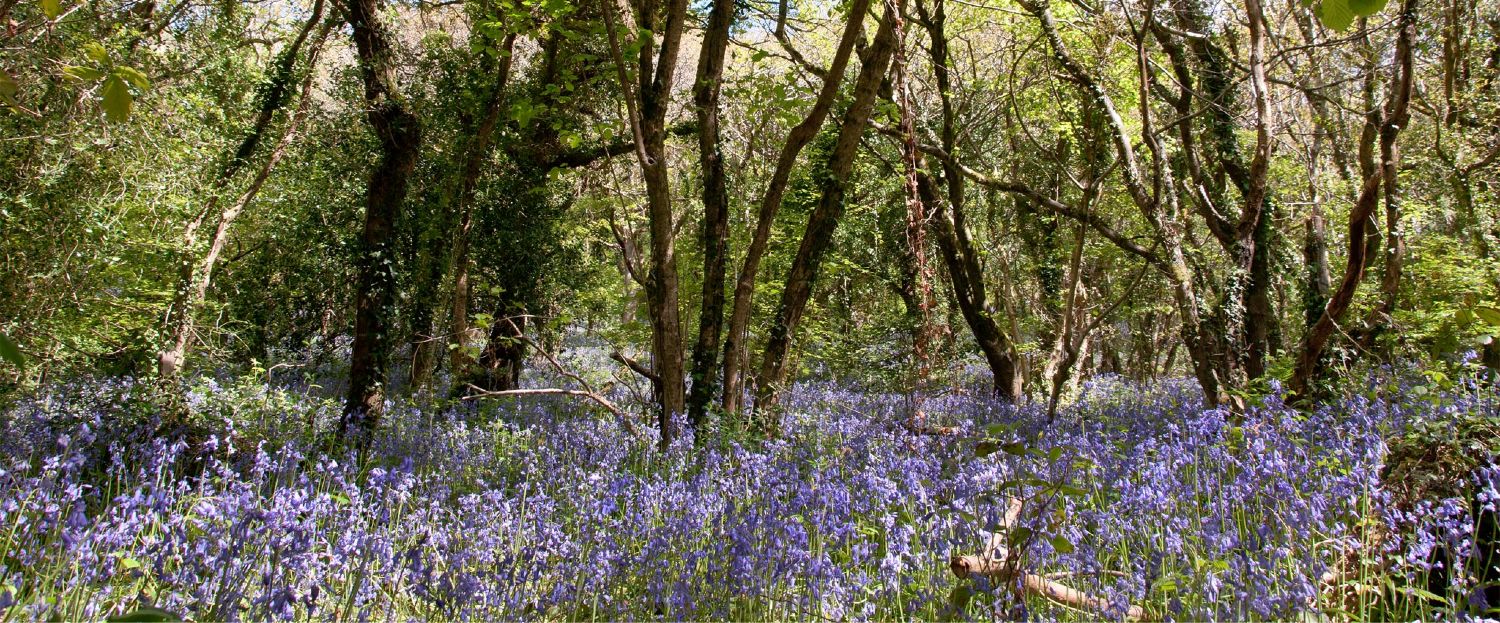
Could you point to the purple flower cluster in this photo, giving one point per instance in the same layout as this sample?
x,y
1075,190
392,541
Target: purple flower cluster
x,y
542,510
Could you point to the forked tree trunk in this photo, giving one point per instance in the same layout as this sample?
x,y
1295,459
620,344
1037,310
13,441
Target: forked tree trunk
x,y
818,236
1393,120
647,105
736,346
965,270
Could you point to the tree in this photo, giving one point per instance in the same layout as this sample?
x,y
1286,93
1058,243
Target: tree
x,y
399,134
874,62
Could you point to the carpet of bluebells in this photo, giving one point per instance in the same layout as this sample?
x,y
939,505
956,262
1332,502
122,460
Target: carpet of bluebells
x,y
541,509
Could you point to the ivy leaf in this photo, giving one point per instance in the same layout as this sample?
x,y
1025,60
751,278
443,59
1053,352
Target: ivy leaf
x,y
8,89
51,8
958,598
10,352
1366,8
117,100
985,448
1335,14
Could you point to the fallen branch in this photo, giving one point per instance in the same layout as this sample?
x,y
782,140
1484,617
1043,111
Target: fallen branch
x,y
998,563
478,392
587,391
965,566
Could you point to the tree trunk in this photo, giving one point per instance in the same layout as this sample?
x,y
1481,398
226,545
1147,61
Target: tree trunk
x,y
400,136
647,119
195,274
965,271
715,234
1394,119
1169,231
736,347
468,181
504,354
818,236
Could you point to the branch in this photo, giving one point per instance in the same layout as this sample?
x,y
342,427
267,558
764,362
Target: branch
x,y
585,156
635,366
965,566
587,391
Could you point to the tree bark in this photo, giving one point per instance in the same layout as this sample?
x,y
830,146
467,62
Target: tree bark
x,y
965,271
715,233
399,133
468,181
195,274
818,235
1394,119
736,347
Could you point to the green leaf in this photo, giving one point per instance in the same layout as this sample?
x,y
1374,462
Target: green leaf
x,y
1366,8
10,352
1062,545
8,85
51,8
959,597
1015,447
96,52
133,76
1489,315
117,100
81,73
1335,14
145,615
985,448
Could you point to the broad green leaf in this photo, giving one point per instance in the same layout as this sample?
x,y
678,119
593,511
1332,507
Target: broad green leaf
x,y
1335,14
1062,545
116,100
1489,315
1366,8
85,74
133,76
10,352
96,52
51,8
8,85
985,448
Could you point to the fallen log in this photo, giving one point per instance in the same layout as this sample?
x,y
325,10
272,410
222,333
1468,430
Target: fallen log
x,y
1031,583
